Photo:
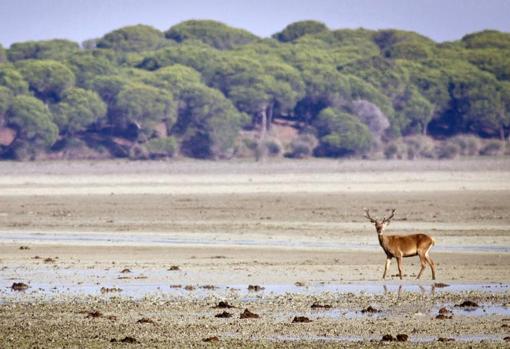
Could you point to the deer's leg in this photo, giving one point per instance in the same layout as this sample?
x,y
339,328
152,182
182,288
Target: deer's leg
x,y
432,266
386,266
399,264
423,264
431,263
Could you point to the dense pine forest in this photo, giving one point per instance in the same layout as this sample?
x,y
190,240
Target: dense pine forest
x,y
203,89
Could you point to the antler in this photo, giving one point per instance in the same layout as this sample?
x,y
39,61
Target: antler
x,y
387,220
367,215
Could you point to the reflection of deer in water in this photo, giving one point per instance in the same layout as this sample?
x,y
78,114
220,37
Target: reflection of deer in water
x,y
400,246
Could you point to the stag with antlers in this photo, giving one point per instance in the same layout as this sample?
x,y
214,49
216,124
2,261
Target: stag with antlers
x,y
400,246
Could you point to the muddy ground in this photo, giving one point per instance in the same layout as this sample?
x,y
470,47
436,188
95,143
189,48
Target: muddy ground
x,y
138,254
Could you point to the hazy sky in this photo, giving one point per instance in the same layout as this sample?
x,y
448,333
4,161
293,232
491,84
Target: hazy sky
x,y
78,20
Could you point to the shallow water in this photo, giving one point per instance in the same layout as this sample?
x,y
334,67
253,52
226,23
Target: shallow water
x,y
412,338
160,239
138,289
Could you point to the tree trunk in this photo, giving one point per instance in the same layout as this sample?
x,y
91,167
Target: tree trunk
x,y
263,123
260,153
269,115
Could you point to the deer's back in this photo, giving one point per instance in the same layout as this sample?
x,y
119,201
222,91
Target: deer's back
x,y
408,245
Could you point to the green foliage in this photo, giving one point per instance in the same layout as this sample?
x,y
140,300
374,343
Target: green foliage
x,y
134,38
3,54
386,75
476,101
361,90
341,134
413,111
215,34
199,56
209,123
47,79
176,78
142,105
487,39
108,87
86,67
32,120
492,60
431,82
162,147
12,79
209,90
298,29
5,102
402,44
78,109
57,50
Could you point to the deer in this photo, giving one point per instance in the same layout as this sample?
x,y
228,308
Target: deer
x,y
401,246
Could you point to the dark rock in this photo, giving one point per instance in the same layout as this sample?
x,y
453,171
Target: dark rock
x,y
402,337
145,320
224,315
444,339
94,314
370,309
24,248
388,338
126,270
129,340
211,339
246,314
255,288
174,268
444,310
110,289
224,305
467,304
316,305
300,319
19,286
444,317
208,287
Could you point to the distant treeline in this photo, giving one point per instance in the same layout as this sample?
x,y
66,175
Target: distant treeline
x,y
206,90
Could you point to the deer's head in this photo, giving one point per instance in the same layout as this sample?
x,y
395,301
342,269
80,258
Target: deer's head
x,y
380,224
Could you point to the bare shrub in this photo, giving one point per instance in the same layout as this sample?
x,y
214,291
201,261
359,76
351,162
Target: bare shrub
x,y
302,147
395,150
447,150
419,146
246,146
493,148
370,114
469,145
273,147
138,152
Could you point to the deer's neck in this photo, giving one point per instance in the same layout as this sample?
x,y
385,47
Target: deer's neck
x,y
383,241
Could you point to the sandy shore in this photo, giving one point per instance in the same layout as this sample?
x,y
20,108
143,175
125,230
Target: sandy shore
x,y
168,245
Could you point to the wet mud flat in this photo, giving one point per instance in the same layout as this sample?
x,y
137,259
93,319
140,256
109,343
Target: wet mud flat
x,y
475,316
109,255
187,296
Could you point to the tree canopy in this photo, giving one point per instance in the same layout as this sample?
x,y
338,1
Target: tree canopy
x,y
215,34
207,90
